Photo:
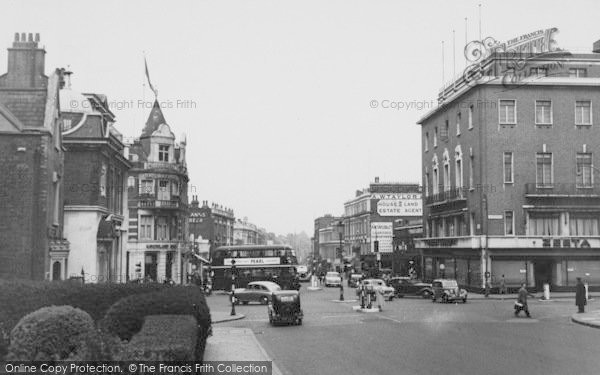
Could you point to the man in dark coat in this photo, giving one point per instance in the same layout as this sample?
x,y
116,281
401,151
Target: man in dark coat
x,y
522,300
580,299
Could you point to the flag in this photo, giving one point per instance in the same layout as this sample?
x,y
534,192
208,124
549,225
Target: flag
x,y
148,77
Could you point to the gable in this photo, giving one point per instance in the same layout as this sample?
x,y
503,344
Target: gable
x,y
8,122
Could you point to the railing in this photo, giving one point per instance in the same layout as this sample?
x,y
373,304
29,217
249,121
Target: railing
x,y
562,189
454,194
154,203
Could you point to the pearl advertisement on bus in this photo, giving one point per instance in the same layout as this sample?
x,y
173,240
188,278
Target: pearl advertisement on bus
x,y
252,261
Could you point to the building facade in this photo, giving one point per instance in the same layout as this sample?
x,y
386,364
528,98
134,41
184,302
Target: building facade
x,y
158,243
213,223
245,233
32,245
509,182
369,219
95,190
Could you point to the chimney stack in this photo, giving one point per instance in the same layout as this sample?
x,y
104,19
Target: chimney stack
x,y
596,47
26,64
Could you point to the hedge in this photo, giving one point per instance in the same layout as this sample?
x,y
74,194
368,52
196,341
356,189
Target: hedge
x,y
54,333
20,297
126,317
164,338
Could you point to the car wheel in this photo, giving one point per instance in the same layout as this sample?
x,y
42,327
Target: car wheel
x,y
426,294
465,300
444,299
264,300
432,299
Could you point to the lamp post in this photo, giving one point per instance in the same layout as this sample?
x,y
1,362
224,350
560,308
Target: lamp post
x,y
233,270
442,269
340,229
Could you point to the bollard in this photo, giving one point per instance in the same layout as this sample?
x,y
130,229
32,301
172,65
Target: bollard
x,y
341,292
546,291
587,297
233,302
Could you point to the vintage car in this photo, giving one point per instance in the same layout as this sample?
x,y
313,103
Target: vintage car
x,y
354,280
285,308
303,274
377,285
405,286
333,279
256,291
447,290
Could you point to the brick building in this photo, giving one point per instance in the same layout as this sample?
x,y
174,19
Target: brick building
x,y
95,190
158,245
510,186
32,245
213,223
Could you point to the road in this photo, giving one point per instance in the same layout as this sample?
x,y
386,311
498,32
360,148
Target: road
x,y
416,336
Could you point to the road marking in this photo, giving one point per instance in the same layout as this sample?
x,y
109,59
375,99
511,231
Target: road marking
x,y
522,320
388,318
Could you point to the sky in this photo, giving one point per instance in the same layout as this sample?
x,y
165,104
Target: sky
x,y
288,107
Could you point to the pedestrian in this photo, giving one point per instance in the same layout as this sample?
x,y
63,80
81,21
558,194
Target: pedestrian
x,y
487,288
580,299
521,304
502,286
379,298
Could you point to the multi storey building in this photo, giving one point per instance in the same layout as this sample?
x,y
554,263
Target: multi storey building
x,y
245,233
213,223
158,245
32,245
369,218
510,186
95,190
321,223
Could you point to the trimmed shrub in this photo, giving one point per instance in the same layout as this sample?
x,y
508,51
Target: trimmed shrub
x,y
54,333
164,338
20,297
126,317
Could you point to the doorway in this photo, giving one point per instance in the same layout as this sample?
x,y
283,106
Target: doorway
x,y
542,270
151,266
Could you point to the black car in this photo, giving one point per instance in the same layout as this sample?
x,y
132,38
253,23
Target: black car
x,y
285,308
405,286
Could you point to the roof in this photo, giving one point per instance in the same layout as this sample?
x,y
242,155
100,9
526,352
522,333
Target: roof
x,y
257,247
74,102
155,119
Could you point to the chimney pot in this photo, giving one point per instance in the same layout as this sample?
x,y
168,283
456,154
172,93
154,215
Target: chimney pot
x,y
23,37
30,35
37,37
16,37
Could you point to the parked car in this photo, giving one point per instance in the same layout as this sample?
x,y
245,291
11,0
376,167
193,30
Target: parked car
x,y
376,285
405,286
333,279
354,280
447,290
285,307
256,291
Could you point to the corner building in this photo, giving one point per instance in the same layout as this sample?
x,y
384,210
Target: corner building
x,y
158,248
510,186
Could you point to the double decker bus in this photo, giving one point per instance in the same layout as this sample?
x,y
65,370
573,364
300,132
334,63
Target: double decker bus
x,y
254,263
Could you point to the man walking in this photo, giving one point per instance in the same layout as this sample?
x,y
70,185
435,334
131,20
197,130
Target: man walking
x,y
580,299
502,286
522,301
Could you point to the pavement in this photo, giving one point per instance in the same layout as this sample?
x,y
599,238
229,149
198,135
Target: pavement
x,y
590,319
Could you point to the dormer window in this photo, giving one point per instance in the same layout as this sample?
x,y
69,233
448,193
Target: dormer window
x,y
163,153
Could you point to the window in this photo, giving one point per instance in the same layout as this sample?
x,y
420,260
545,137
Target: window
x,y
426,183
508,168
509,223
543,176
147,187
436,176
458,117
539,72
163,153
426,141
471,173
584,170
471,116
435,135
577,72
175,188
445,131
103,171
162,228
544,225
446,177
583,112
508,112
66,124
583,225
146,227
543,112
458,169
130,182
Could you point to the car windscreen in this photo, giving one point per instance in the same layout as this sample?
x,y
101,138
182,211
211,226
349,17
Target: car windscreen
x,y
333,274
450,284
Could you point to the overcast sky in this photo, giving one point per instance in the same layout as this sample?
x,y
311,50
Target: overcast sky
x,y
275,96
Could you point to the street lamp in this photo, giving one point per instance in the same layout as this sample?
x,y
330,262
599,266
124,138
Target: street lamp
x,y
340,229
442,269
233,270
